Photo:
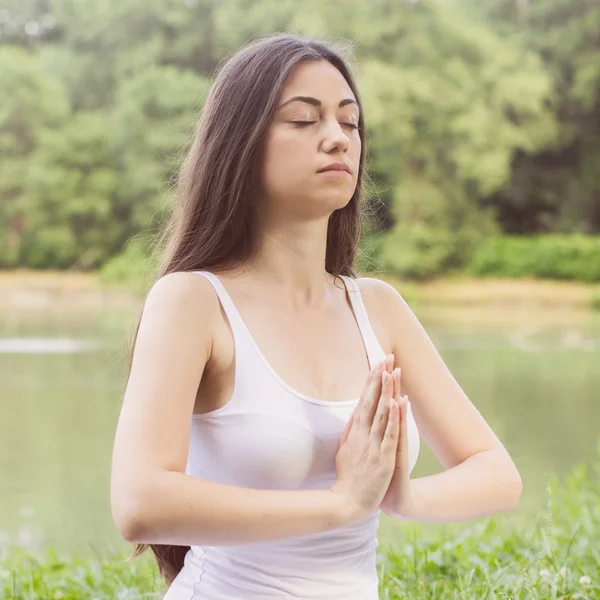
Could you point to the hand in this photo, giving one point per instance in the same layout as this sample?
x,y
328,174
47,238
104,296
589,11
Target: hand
x,y
367,454
398,499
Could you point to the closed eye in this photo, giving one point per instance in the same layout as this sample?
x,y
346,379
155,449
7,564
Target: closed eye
x,y
302,123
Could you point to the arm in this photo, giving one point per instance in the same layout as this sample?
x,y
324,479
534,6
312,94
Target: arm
x,y
480,477
483,484
152,499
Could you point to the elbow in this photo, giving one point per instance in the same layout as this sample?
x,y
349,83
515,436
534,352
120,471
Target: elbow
x,y
506,481
513,487
130,528
129,524
128,516
517,490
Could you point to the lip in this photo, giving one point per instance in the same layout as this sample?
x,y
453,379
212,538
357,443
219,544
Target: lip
x,y
336,167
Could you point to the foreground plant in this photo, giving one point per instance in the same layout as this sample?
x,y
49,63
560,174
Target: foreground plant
x,y
554,556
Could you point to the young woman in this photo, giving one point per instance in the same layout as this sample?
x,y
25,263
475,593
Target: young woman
x,y
258,439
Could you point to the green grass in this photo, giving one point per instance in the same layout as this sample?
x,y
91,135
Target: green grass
x,y
554,555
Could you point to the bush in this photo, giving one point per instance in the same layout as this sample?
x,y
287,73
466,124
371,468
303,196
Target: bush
x,y
134,265
557,256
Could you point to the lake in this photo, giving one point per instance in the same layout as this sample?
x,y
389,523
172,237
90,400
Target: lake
x,y
533,374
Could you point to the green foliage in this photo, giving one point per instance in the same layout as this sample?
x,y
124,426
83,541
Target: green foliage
x,y
73,178
52,575
558,187
435,232
482,118
35,103
575,257
136,264
553,555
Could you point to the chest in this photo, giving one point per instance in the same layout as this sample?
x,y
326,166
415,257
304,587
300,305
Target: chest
x,y
318,354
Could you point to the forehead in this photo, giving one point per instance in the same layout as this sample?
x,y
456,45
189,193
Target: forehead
x,y
318,79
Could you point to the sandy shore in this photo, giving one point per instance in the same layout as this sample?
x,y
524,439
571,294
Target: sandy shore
x,y
36,290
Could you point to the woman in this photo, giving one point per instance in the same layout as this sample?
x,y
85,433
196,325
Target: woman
x,y
246,455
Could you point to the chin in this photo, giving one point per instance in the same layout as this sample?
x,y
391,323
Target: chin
x,y
337,200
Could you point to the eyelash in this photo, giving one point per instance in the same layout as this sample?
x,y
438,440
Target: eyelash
x,y
352,125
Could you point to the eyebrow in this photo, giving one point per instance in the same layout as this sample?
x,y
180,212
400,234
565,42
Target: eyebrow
x,y
315,102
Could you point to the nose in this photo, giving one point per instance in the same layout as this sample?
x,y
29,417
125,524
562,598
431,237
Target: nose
x,y
334,137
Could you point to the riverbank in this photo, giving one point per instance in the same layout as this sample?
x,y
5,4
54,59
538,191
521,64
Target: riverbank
x,y
24,289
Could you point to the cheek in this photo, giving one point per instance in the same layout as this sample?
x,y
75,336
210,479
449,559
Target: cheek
x,y
285,159
284,147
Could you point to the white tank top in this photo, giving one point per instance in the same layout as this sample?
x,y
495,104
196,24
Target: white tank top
x,y
270,436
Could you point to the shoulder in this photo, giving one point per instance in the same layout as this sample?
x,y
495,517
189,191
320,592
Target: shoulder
x,y
387,310
380,293
181,303
182,290
381,302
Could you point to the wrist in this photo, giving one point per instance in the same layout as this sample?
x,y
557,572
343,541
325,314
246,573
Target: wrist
x,y
345,512
400,504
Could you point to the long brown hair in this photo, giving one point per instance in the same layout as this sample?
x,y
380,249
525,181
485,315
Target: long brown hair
x,y
212,226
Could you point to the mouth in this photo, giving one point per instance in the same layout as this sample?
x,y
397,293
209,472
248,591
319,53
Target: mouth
x,y
336,168
335,173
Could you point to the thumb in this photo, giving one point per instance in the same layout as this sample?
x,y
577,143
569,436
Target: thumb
x,y
346,431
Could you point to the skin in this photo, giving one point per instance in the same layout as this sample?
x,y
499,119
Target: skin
x,y
285,293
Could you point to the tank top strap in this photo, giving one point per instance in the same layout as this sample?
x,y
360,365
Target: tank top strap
x,y
375,352
235,319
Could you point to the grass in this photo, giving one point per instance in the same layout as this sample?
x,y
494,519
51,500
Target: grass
x,y
555,555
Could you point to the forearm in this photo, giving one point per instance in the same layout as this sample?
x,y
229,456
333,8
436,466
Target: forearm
x,y
182,510
482,485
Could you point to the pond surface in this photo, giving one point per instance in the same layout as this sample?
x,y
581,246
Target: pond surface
x,y
534,376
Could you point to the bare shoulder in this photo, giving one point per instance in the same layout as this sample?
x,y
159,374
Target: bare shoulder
x,y
181,284
388,311
184,291
181,303
379,298
380,293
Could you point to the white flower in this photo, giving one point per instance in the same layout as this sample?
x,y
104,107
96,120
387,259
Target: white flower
x,y
565,572
544,574
585,580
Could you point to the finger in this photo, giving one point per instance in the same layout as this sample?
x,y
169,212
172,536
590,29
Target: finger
x,y
371,399
347,429
390,437
389,363
402,445
397,374
364,392
382,414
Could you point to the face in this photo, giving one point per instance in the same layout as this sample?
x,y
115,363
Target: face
x,y
307,135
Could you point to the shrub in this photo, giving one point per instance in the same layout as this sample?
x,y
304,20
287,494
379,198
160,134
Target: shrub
x,y
557,256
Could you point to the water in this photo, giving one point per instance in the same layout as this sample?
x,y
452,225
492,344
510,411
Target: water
x,y
534,376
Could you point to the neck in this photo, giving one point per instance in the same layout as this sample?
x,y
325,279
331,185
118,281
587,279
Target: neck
x,y
292,259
